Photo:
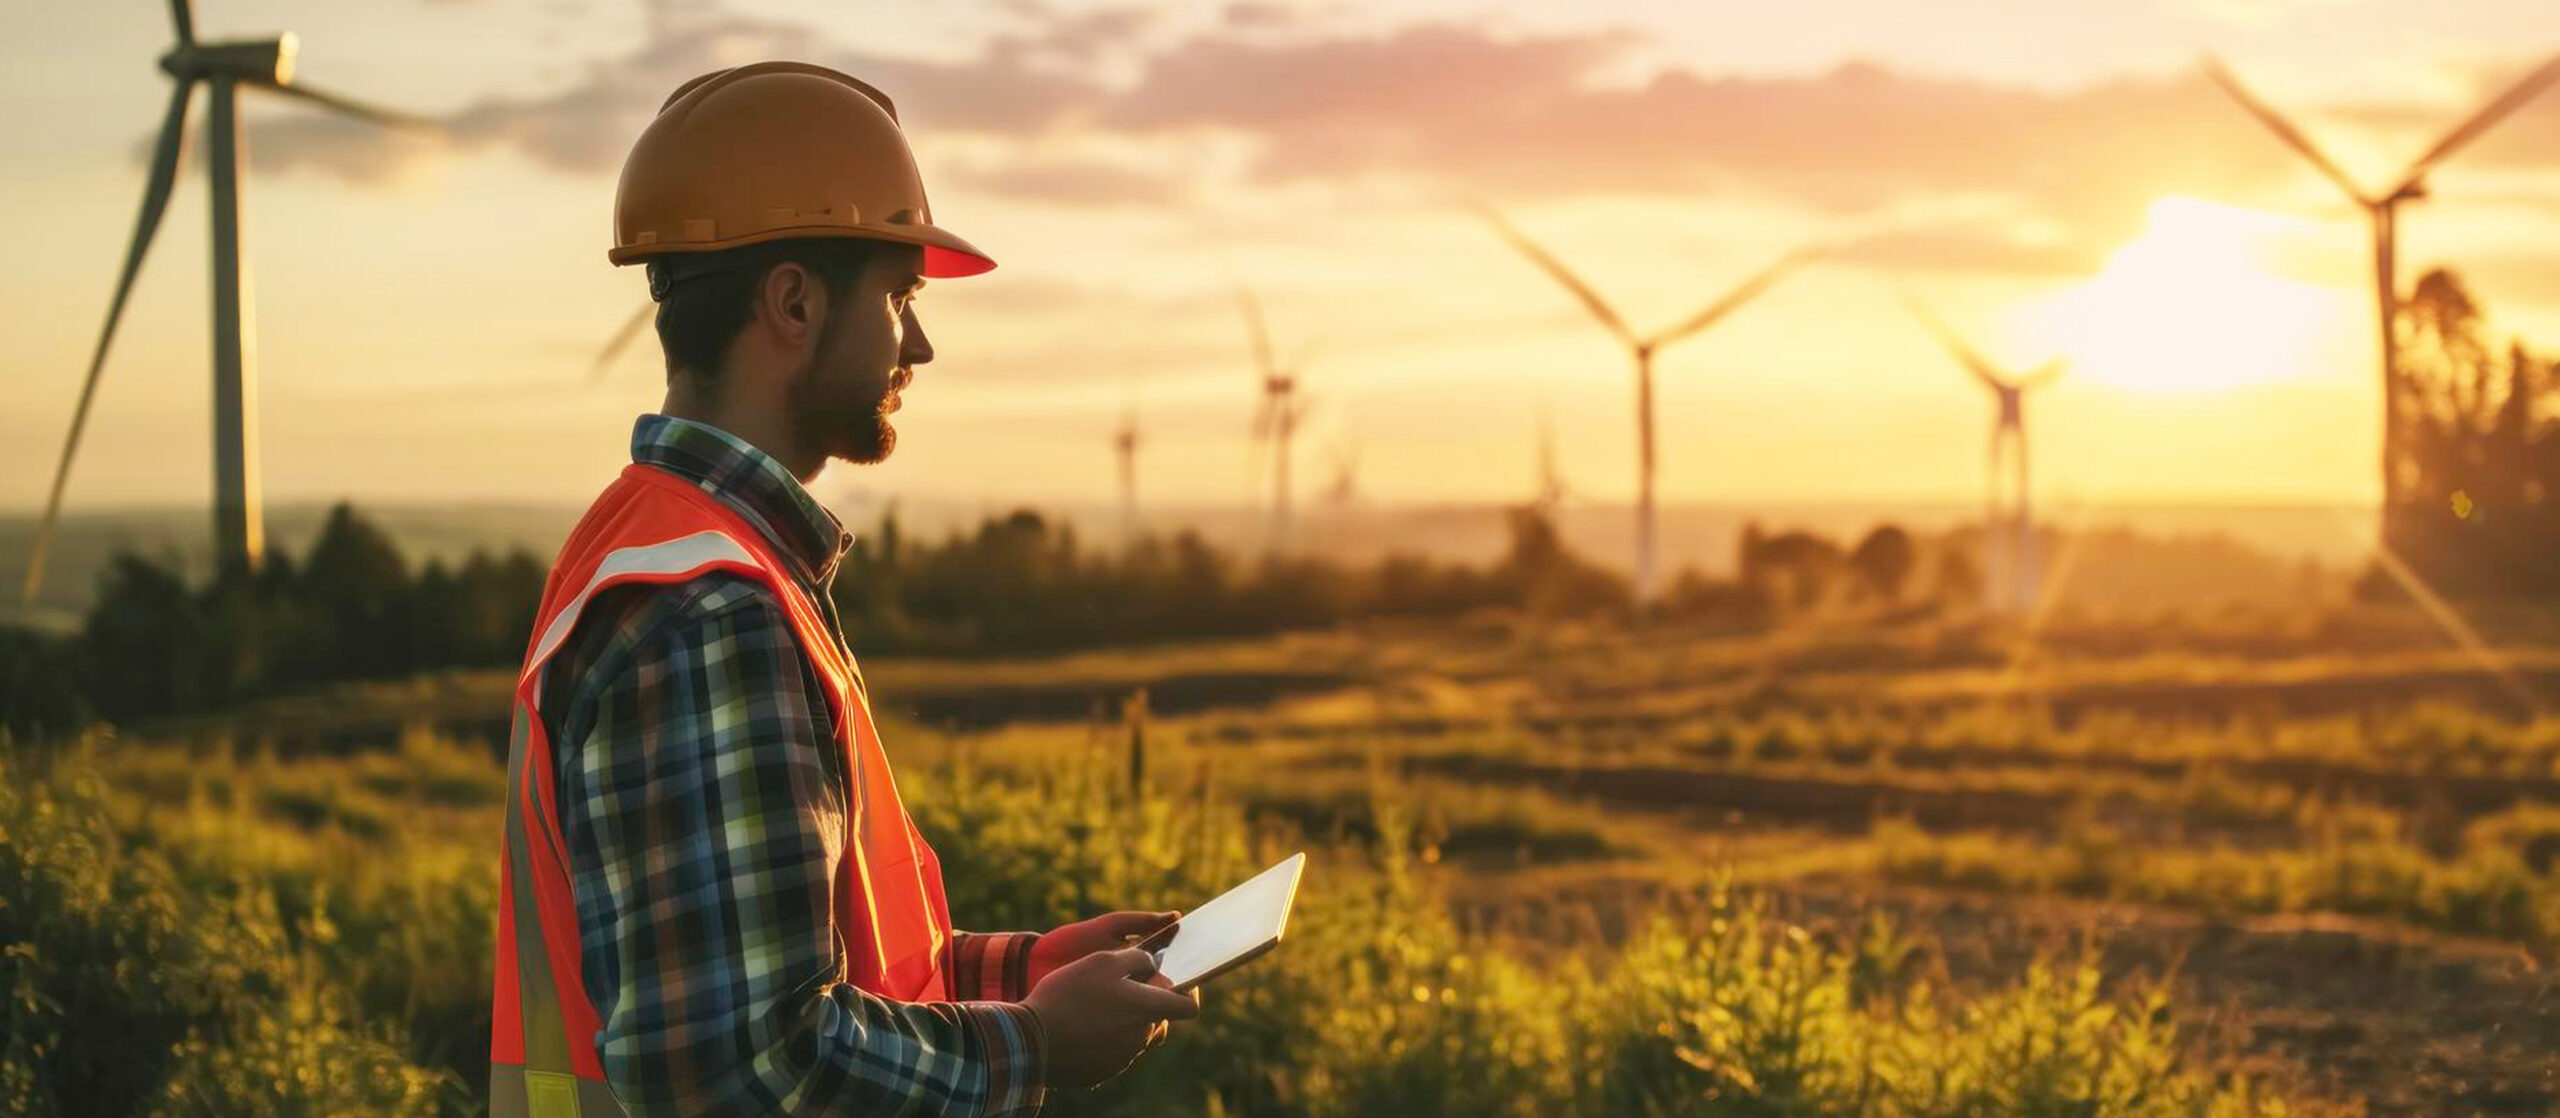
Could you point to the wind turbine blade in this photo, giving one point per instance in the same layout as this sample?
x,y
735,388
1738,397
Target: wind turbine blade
x,y
1262,361
1982,369
1733,300
184,19
2284,129
621,341
2045,374
1556,270
390,118
155,202
2508,102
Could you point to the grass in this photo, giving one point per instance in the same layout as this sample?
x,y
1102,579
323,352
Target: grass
x,y
2485,890
215,944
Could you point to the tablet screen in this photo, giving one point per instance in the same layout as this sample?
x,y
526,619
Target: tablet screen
x,y
1243,922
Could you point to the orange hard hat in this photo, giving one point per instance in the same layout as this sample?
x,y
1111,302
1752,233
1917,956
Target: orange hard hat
x,y
772,152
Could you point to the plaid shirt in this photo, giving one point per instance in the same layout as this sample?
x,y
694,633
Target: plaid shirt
x,y
703,799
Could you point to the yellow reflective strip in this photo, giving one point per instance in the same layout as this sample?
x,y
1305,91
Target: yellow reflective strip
x,y
546,1035
551,1094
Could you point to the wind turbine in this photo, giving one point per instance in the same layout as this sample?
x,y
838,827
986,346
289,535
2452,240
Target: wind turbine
x,y
1551,488
2383,208
1124,443
1275,419
2008,431
223,68
1344,489
1642,349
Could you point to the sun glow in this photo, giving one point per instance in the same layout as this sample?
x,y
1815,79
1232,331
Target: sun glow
x,y
2194,305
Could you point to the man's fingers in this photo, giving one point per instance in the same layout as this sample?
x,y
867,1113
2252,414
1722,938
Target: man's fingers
x,y
1159,1004
1128,962
1135,923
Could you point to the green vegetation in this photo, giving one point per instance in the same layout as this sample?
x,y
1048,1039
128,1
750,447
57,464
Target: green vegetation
x,y
222,934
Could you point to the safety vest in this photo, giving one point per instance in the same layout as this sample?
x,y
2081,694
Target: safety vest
x,y
891,921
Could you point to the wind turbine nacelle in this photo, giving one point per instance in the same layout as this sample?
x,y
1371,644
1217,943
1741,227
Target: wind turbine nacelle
x,y
255,61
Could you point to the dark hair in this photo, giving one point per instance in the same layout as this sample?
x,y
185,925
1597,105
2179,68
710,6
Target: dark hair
x,y
705,299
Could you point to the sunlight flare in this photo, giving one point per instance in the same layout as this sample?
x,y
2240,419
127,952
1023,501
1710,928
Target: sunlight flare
x,y
2197,304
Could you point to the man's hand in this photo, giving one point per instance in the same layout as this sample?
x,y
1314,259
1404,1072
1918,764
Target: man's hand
x,y
1110,931
1099,1012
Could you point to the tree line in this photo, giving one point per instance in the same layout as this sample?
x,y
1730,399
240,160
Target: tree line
x,y
2477,485
353,607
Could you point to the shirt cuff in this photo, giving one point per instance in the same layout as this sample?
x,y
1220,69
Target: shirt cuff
x,y
1010,1035
992,966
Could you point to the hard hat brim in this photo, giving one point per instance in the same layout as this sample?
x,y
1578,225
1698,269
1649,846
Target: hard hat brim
x,y
947,255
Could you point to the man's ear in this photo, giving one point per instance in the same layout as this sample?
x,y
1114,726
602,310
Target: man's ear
x,y
790,300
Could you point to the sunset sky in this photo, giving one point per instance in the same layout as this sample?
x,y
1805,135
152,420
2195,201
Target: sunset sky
x,y
2054,178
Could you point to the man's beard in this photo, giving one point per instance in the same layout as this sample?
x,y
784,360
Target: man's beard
x,y
856,430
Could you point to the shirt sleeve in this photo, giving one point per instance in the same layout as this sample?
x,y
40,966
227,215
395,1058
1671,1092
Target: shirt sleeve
x,y
992,965
704,791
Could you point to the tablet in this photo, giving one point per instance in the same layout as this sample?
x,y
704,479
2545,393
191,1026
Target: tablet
x,y
1230,931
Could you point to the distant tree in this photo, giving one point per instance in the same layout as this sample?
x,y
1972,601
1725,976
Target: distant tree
x,y
1959,579
2481,460
1549,579
44,686
357,587
1731,604
1883,561
1794,569
145,639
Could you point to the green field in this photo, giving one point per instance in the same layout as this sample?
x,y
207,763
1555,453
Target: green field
x,y
2216,865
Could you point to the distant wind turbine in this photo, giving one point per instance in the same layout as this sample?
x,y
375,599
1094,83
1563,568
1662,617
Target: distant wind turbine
x,y
1551,490
223,68
2384,210
1275,418
1124,444
2008,431
1643,349
1344,488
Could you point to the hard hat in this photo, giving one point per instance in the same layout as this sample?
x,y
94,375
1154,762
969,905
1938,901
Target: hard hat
x,y
771,152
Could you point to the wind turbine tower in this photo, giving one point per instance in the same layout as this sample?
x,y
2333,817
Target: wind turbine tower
x,y
1276,418
2009,434
1551,488
1124,443
2383,209
1642,349
223,69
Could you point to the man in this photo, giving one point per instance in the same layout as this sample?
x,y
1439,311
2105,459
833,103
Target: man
x,y
712,899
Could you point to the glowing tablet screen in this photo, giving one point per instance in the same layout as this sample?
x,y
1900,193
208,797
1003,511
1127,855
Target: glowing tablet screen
x,y
1243,922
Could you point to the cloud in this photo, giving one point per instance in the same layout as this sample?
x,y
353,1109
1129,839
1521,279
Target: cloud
x,y
1465,111
588,126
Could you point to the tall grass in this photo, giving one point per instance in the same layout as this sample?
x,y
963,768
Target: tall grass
x,y
222,935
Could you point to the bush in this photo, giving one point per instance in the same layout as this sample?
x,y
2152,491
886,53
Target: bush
x,y
133,990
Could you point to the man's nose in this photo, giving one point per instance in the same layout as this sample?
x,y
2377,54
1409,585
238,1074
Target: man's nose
x,y
915,349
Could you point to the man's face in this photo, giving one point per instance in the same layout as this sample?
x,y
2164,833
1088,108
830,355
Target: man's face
x,y
867,351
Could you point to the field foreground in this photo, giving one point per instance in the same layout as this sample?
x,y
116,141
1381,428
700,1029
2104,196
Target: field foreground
x,y
1902,872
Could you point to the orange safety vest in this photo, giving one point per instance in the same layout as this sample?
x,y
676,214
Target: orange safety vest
x,y
891,920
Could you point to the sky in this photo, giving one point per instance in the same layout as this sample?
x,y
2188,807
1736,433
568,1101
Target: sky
x,y
2054,179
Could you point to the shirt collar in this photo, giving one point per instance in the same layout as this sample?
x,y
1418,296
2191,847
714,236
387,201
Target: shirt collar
x,y
750,482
